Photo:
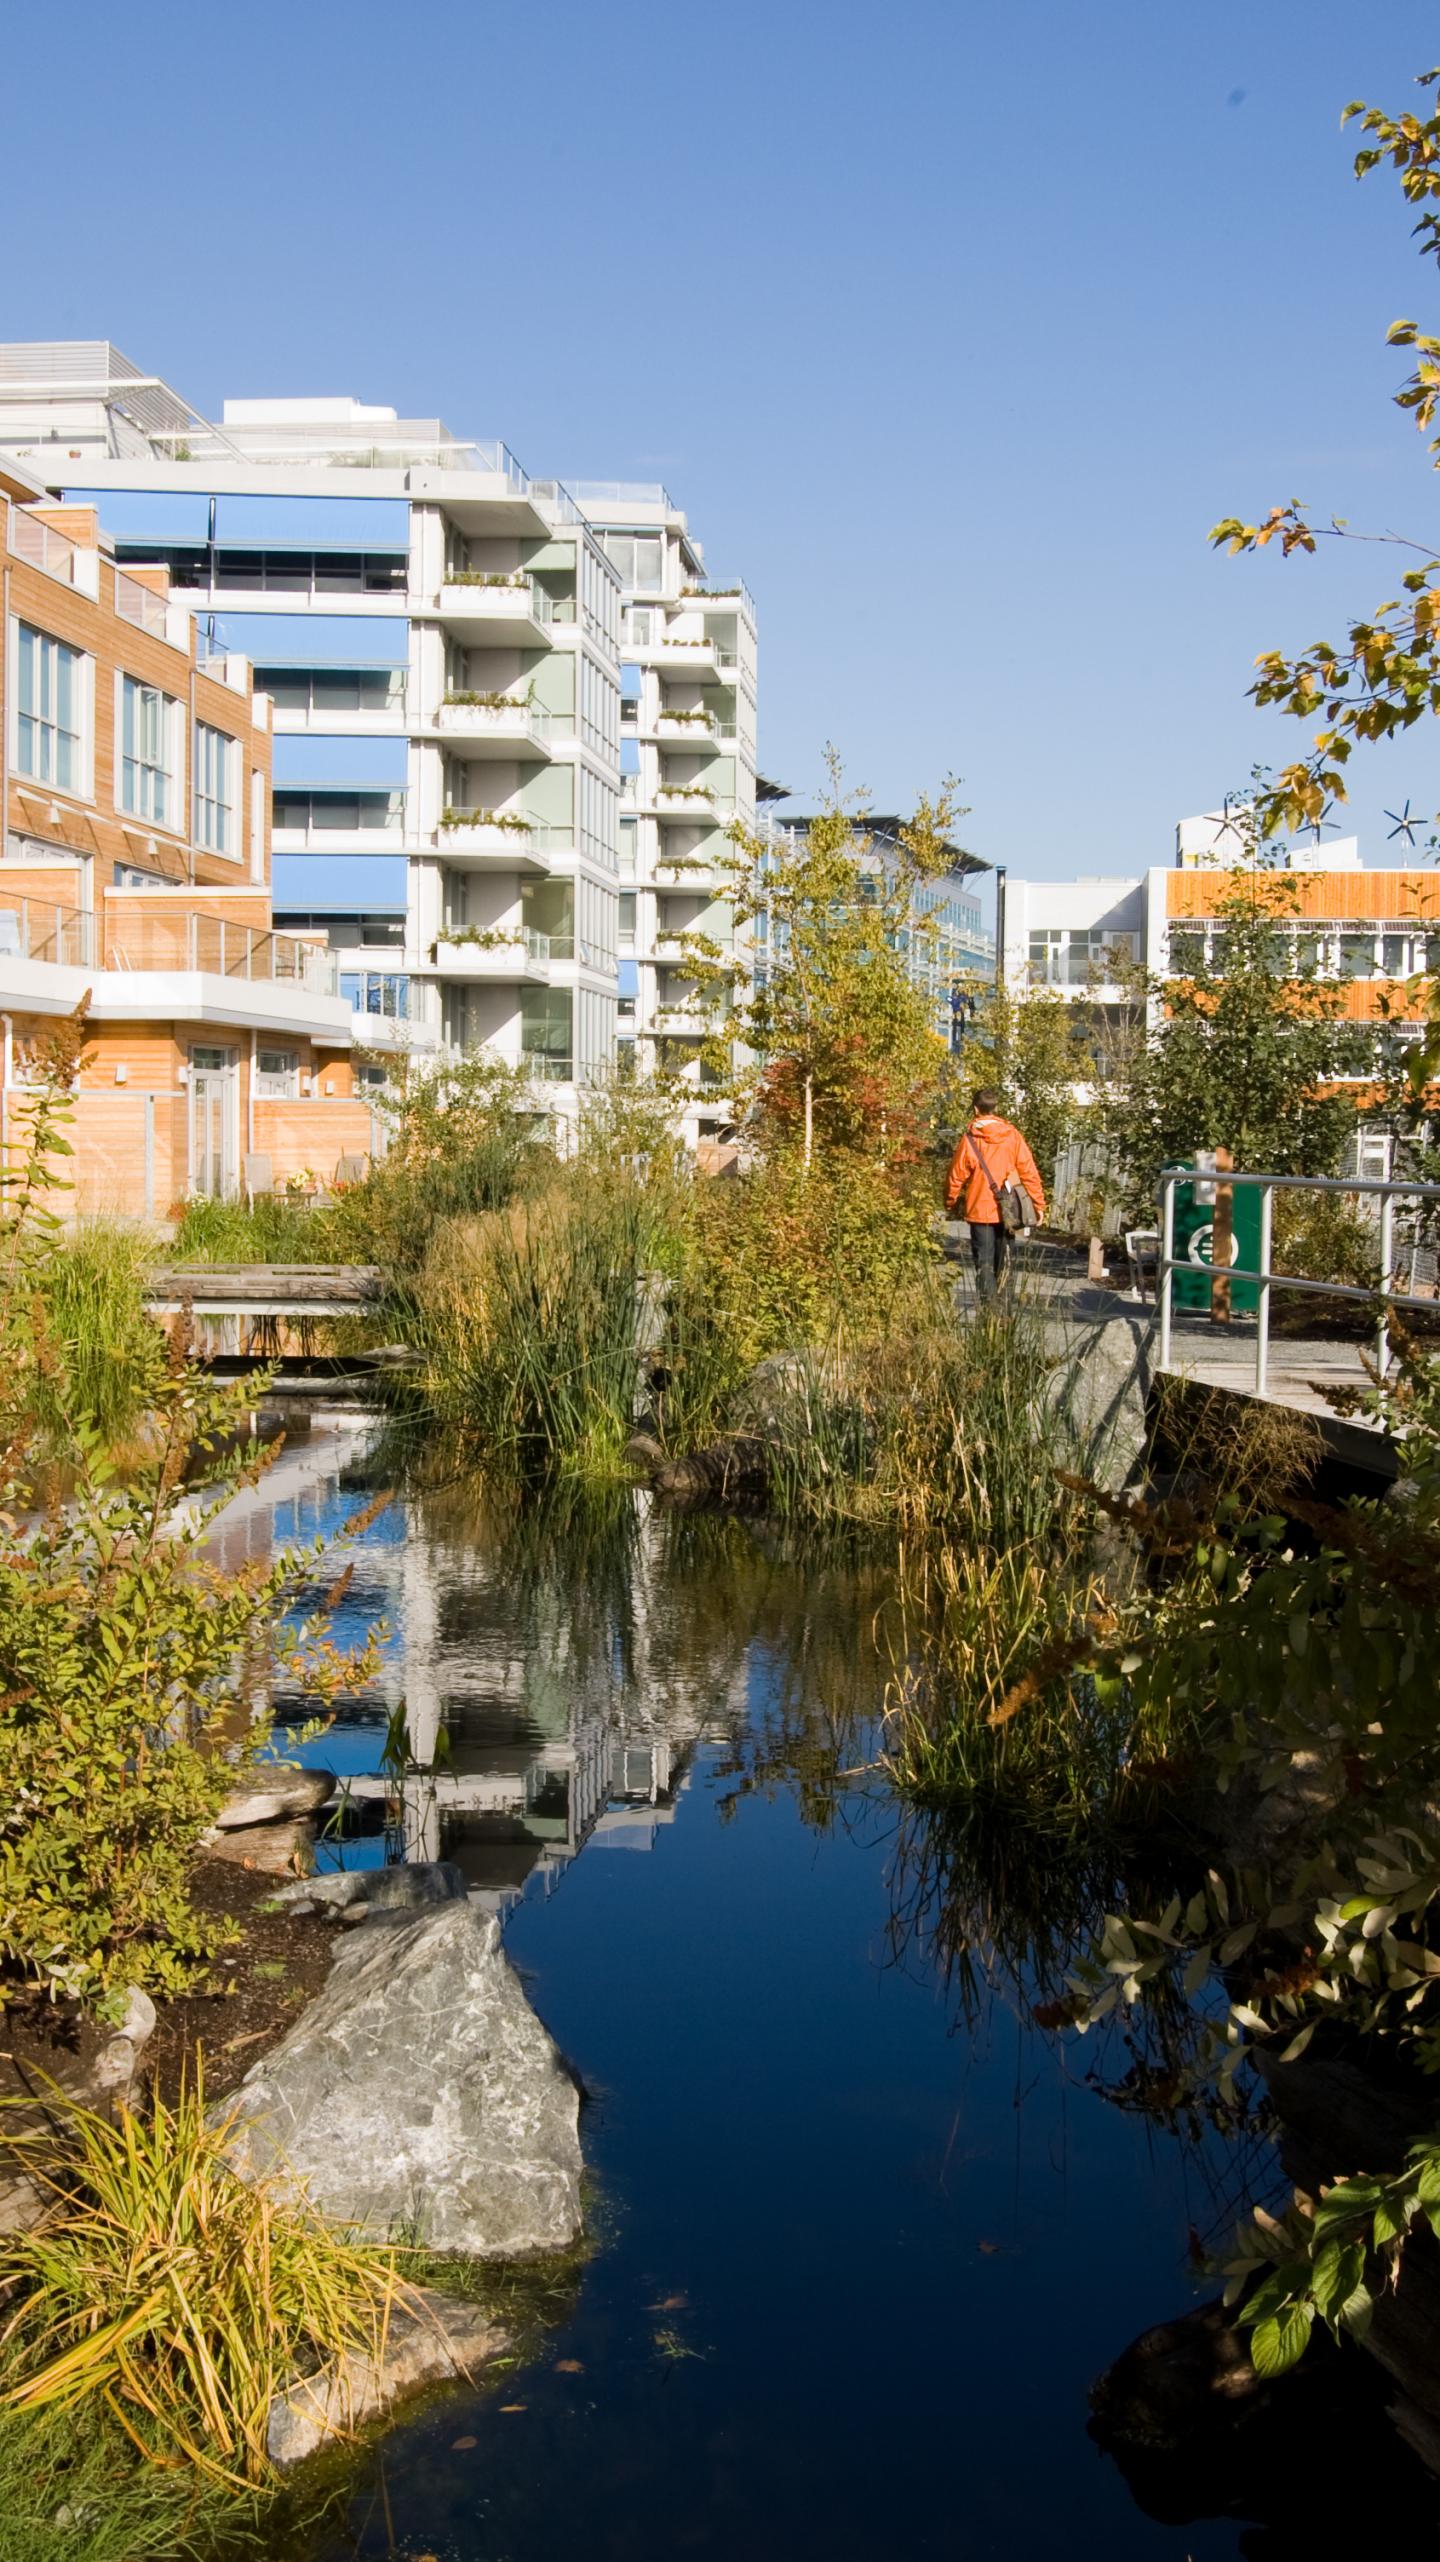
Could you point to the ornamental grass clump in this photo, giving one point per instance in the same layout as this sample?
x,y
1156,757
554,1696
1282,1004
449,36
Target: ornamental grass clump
x,y
528,1323
162,2291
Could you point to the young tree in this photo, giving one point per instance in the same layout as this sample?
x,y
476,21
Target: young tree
x,y
846,1048
1242,1052
1386,675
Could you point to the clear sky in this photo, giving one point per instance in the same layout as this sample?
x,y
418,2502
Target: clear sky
x,y
954,328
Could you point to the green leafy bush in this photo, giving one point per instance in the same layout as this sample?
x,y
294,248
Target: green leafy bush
x,y
125,1652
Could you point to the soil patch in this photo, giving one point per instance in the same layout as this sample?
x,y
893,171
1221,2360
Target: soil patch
x,y
255,1991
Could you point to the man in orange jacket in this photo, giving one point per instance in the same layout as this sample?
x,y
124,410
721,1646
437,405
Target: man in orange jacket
x,y
991,1154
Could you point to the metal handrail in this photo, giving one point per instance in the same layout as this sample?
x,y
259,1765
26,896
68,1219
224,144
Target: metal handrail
x,y
1384,1190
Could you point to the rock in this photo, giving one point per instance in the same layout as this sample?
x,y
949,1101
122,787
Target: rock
x,y
354,1894
277,1849
268,1796
439,2340
419,2095
734,1471
114,2067
1101,1387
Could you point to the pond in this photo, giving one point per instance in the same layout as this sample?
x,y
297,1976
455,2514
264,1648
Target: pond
x,y
862,2248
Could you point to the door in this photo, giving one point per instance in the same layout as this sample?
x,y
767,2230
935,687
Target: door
x,y
214,1123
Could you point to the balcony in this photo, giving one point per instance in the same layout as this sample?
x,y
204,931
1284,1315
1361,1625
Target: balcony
x,y
524,954
681,729
216,944
690,804
673,656
499,606
482,840
546,1069
474,727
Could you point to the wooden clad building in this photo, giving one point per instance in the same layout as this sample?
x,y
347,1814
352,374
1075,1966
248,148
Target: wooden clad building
x,y
135,874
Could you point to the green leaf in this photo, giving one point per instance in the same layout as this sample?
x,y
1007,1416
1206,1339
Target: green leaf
x,y
1280,2341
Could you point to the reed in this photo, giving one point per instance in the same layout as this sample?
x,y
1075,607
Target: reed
x,y
527,1321
107,1354
161,2290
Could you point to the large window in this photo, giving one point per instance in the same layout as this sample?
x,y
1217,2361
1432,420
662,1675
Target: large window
x,y
377,992
638,558
216,758
49,740
340,689
320,815
147,787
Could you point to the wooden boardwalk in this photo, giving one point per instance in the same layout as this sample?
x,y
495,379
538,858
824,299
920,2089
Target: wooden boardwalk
x,y
266,1289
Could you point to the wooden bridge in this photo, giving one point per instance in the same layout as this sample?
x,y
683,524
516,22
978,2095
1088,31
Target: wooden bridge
x,y
274,1290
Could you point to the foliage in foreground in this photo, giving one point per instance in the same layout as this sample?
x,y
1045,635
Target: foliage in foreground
x,y
125,1653
161,2288
1308,1670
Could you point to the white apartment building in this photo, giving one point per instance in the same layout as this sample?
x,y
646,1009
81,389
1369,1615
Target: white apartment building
x,y
687,754
440,638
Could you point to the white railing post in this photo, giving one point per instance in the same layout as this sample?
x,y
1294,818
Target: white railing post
x,y
1262,1305
1167,1249
1387,1279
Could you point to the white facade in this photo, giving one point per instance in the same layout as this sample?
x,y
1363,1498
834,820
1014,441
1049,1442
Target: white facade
x,y
1065,936
440,637
688,751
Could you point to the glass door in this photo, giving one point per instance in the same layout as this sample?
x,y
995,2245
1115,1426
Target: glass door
x,y
214,1123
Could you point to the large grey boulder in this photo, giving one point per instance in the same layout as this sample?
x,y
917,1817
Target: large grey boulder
x,y
420,2097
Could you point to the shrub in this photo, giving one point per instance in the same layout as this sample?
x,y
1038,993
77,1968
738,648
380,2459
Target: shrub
x,y
1320,1236
124,1651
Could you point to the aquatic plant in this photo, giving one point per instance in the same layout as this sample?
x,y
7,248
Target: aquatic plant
x,y
527,1320
161,2288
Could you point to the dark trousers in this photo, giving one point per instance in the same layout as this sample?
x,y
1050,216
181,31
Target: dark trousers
x,y
990,1247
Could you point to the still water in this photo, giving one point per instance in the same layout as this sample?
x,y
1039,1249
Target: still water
x,y
862,2247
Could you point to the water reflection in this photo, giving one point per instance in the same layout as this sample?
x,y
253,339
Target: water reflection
x,y
539,1691
868,2238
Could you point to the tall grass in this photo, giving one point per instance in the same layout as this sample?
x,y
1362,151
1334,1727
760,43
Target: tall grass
x,y
265,1230
527,1322
935,1426
161,2290
110,1353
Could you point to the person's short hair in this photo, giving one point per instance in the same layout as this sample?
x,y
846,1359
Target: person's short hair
x,y
985,1099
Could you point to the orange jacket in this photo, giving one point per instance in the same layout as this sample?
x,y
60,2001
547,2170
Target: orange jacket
x,y
967,1194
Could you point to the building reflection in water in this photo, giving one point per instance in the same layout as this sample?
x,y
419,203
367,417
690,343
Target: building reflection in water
x,y
544,1704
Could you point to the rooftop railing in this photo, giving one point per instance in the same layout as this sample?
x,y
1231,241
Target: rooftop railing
x,y
141,605
42,546
1264,1275
217,944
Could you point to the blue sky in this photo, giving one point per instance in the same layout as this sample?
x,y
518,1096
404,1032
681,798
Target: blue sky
x,y
955,328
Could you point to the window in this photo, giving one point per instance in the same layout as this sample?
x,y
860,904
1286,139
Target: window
x,y
1394,955
49,726
1357,956
277,1073
639,559
216,757
627,916
331,689
147,788
377,992
322,814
